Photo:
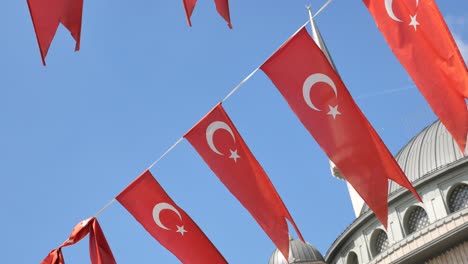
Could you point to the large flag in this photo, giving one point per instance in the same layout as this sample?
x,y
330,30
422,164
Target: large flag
x,y
219,143
317,95
222,6
418,35
99,250
46,16
147,201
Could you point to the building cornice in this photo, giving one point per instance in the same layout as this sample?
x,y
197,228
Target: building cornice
x,y
393,197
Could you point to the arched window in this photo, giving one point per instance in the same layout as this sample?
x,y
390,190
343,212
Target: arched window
x,y
379,242
458,198
416,218
352,258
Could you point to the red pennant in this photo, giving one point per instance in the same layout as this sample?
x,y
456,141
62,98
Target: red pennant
x,y
317,95
147,201
46,16
54,257
418,35
189,5
99,249
100,252
219,143
222,6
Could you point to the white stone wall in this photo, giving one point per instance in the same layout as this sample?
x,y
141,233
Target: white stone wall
x,y
434,195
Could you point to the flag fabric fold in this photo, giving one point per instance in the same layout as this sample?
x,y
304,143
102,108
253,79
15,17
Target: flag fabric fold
x,y
420,39
222,6
189,5
46,16
220,145
152,207
315,92
100,252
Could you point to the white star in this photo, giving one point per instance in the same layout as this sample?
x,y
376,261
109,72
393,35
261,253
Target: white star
x,y
84,223
414,22
181,230
234,155
333,111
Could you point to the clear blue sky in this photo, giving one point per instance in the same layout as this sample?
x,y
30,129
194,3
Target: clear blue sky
x,y
77,132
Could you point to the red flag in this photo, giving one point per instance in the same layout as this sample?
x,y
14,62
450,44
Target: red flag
x,y
99,249
217,141
54,257
147,201
189,5
223,9
46,16
417,34
100,252
317,95
222,6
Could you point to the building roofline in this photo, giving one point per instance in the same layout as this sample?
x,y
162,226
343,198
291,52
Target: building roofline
x,y
363,218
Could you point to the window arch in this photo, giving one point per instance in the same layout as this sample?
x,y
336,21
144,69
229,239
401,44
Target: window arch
x,y
416,218
458,198
379,242
352,258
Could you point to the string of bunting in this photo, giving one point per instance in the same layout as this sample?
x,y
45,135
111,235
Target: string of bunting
x,y
237,87
310,89
149,194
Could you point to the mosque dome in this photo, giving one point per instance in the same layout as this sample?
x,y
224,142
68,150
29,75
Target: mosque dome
x,y
431,231
299,252
433,148
430,150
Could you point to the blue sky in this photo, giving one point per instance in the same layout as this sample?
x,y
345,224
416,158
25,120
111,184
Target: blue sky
x,y
77,132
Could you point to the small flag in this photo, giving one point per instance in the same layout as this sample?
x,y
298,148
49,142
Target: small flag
x,y
316,93
147,201
219,143
46,16
420,39
100,252
222,6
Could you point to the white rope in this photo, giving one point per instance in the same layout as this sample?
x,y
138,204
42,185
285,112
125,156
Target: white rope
x,y
104,208
258,68
240,84
322,8
165,153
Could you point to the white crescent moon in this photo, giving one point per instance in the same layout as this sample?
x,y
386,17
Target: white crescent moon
x,y
212,128
310,81
157,210
389,8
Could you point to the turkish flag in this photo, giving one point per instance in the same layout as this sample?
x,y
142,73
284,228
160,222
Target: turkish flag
x,y
100,252
147,201
46,16
418,35
317,95
222,6
219,143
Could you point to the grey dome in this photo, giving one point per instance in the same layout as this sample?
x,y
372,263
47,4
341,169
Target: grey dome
x,y
431,149
299,252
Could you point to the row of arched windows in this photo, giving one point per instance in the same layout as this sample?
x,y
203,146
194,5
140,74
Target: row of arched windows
x,y
415,219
